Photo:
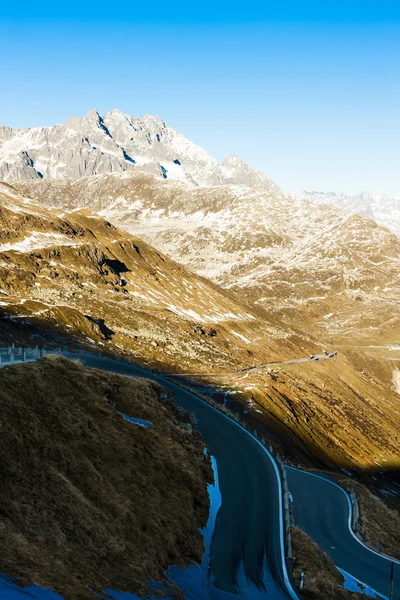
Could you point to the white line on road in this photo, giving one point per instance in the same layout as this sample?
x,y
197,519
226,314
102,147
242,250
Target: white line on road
x,y
316,357
350,513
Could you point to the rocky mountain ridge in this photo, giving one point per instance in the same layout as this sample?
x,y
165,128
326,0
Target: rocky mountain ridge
x,y
118,143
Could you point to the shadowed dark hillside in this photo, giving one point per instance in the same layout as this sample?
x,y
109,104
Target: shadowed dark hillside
x,y
88,498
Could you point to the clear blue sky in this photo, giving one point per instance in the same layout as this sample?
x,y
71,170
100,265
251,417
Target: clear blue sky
x,y
307,91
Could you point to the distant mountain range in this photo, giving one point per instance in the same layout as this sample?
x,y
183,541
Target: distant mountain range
x,y
385,210
119,143
96,145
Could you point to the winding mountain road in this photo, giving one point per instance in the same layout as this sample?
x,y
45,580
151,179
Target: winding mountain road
x,y
322,509
292,361
249,521
248,524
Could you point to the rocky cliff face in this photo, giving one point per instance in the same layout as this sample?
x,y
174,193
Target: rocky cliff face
x,y
116,143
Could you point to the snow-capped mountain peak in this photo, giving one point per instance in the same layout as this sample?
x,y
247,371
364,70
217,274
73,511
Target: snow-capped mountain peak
x,y
92,121
116,142
233,161
235,169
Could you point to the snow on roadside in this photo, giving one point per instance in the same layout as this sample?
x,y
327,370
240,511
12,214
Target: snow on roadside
x,y
140,422
193,581
353,585
9,590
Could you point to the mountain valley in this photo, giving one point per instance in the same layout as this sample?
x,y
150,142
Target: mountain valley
x,y
80,275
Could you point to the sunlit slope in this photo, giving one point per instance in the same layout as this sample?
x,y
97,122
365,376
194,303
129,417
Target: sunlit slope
x,y
103,285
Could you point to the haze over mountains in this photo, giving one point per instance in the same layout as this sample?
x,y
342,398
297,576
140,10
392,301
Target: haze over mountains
x,y
385,210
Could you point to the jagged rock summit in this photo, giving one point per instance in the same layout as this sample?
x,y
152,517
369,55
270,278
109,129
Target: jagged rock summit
x,y
117,142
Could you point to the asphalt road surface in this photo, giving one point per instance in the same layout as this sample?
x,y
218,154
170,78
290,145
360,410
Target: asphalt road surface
x,y
293,361
322,510
248,524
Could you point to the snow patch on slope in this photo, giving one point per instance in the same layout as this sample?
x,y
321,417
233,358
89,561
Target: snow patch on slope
x,y
353,585
396,380
9,590
38,240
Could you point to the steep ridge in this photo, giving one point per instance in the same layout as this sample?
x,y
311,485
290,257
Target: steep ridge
x,y
101,285
116,143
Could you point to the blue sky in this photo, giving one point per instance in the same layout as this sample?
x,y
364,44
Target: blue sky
x,y
308,92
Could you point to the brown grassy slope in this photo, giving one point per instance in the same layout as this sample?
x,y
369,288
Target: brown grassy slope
x,y
322,581
127,297
87,498
333,273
